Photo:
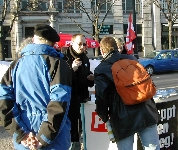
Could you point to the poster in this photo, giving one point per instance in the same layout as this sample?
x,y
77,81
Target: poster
x,y
167,126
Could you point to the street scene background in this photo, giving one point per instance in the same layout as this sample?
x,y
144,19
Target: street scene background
x,y
164,82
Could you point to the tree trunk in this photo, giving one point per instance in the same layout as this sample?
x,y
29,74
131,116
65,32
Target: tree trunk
x,y
170,34
97,49
97,39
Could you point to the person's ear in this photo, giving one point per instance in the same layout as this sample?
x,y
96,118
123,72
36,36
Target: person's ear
x,y
102,51
71,43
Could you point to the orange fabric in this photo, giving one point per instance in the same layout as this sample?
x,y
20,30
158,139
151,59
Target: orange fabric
x,y
132,81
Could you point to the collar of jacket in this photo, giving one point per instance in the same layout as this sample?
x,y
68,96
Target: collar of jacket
x,y
40,49
74,54
111,53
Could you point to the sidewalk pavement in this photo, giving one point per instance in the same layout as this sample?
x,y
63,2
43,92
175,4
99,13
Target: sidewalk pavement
x,y
5,140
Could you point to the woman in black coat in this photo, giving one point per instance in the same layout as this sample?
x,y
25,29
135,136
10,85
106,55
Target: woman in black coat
x,y
126,120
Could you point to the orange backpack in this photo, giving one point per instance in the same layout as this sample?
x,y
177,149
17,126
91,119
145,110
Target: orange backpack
x,y
133,83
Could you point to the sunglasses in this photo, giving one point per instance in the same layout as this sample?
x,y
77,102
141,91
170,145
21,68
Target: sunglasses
x,y
82,44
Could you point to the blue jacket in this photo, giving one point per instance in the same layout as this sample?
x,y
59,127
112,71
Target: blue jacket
x,y
35,94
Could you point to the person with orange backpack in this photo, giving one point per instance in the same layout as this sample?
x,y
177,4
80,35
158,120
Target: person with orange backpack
x,y
127,116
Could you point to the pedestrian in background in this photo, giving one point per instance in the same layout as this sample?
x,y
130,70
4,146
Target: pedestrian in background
x,y
25,41
35,95
121,45
126,120
82,79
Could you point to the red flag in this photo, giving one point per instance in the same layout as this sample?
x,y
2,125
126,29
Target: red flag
x,y
130,36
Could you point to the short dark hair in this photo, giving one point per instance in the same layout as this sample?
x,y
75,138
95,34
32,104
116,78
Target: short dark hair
x,y
75,35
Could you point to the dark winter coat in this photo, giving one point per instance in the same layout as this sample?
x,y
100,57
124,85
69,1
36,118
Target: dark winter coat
x,y
125,120
80,85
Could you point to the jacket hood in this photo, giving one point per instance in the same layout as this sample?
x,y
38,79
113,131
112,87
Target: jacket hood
x,y
40,49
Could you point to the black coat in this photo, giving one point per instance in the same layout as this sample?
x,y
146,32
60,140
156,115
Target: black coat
x,y
125,120
80,85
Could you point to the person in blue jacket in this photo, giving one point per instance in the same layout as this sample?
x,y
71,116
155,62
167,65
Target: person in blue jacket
x,y
35,95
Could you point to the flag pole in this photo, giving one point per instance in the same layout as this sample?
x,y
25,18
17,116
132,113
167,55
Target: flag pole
x,y
135,28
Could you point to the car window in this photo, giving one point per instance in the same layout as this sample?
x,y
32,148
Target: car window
x,y
152,54
169,55
175,54
165,55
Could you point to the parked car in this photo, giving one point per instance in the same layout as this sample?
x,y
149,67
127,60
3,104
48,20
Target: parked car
x,y
160,61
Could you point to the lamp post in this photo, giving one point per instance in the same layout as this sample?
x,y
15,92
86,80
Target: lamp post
x,y
135,28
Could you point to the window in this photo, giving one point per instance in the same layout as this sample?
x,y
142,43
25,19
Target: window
x,y
7,43
1,2
29,32
127,6
164,5
68,6
43,6
165,55
175,54
103,5
34,6
60,6
24,5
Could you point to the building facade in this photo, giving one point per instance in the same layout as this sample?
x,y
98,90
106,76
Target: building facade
x,y
151,26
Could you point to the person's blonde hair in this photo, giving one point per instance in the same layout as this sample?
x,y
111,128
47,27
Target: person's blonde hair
x,y
108,44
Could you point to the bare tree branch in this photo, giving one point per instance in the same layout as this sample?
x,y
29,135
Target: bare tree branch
x,y
77,24
15,11
169,9
96,14
106,14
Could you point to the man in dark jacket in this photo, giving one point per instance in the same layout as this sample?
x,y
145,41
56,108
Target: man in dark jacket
x,y
82,79
126,120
